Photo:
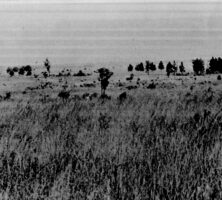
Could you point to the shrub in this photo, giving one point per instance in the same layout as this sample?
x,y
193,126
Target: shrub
x,y
130,78
80,73
64,94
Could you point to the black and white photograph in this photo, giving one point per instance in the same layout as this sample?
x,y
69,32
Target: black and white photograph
x,y
110,99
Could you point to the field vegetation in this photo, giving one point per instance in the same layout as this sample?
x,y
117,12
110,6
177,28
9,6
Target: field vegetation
x,y
160,140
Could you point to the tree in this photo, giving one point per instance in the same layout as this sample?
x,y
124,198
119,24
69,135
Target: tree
x,y
45,74
47,65
174,67
10,71
104,76
139,67
161,65
21,71
130,68
147,67
152,66
198,66
15,69
169,68
215,66
28,73
182,68
28,70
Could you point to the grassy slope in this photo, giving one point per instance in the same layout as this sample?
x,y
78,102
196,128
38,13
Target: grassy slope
x,y
161,144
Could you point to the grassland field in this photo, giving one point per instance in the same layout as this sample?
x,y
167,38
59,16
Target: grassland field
x,y
163,143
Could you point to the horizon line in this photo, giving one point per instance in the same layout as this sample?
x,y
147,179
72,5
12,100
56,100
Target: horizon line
x,y
109,2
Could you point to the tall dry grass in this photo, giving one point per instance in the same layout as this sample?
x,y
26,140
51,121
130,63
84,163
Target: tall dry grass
x,y
158,145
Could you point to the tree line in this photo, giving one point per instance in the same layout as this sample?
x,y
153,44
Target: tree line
x,y
27,70
215,67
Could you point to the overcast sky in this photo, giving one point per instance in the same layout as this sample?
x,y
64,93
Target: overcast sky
x,y
79,32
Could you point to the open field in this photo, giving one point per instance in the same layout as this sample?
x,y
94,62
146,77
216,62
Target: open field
x,y
161,143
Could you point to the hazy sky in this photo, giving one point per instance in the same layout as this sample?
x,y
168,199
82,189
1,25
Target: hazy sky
x,y
73,32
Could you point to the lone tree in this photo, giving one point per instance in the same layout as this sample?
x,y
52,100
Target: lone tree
x,y
161,65
130,68
182,68
47,65
198,66
104,76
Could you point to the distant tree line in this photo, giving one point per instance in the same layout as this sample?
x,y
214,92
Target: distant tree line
x,y
27,70
171,68
215,67
24,70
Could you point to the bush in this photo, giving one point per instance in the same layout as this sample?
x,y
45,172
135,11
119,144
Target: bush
x,y
80,73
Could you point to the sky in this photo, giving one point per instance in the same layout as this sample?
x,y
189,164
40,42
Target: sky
x,y
123,31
